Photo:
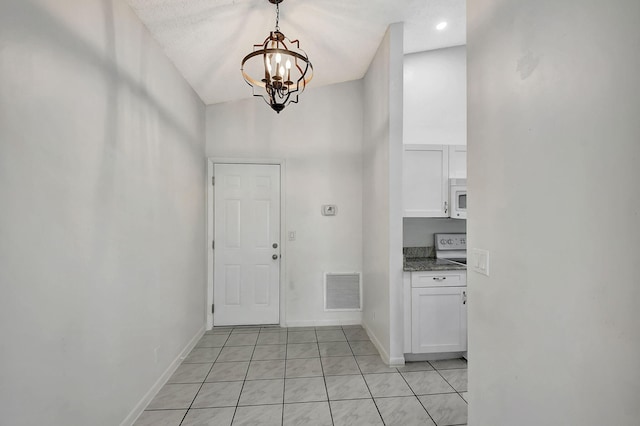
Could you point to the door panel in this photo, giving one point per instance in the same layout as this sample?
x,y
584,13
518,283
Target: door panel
x,y
232,224
232,284
246,226
260,287
262,236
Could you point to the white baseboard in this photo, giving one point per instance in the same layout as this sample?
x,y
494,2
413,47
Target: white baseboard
x,y
376,342
396,361
434,356
383,353
322,323
146,399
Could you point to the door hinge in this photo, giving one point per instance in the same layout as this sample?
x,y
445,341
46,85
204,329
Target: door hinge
x,y
213,180
213,308
213,245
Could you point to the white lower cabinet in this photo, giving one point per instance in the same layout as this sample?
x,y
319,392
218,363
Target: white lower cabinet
x,y
438,312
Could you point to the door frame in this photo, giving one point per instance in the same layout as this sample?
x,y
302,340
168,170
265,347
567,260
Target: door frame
x,y
210,229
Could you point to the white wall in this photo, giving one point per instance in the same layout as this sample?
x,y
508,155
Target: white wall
x,y
320,139
435,97
382,197
102,175
554,101
418,231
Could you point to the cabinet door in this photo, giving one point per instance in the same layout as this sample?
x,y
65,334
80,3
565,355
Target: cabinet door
x,y
458,162
425,176
438,319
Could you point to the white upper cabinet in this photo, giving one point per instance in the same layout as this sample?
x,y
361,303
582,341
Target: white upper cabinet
x,y
458,162
425,181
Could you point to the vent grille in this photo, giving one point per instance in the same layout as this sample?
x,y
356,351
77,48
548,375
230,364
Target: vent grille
x,y
342,291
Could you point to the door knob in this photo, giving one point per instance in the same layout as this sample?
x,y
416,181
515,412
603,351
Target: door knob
x,y
274,257
275,245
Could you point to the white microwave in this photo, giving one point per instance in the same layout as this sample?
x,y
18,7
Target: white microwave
x,y
458,198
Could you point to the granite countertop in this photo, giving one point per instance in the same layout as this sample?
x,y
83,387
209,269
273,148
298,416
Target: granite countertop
x,y
423,259
413,264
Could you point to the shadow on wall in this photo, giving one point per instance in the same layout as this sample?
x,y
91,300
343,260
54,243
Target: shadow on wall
x,y
27,19
26,22
131,116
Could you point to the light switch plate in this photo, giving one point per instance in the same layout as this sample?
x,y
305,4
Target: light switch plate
x,y
329,210
479,261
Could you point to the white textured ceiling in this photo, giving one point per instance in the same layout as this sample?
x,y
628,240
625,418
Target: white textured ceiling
x,y
207,39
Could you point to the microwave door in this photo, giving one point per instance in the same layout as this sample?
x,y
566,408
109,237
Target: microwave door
x,y
461,201
459,204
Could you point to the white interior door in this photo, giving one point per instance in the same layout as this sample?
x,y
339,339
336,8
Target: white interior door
x,y
246,278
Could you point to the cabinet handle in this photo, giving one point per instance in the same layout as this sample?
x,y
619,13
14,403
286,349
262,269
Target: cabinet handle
x,y
439,278
446,207
464,297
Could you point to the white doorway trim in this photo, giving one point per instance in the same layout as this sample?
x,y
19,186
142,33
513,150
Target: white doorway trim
x,y
210,227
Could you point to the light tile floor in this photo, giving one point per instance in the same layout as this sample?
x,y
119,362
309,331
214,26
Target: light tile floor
x,y
305,376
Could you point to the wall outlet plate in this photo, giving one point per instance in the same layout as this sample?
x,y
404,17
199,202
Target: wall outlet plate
x,y
479,261
329,210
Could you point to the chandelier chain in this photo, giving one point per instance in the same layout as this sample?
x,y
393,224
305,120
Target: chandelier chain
x,y
277,16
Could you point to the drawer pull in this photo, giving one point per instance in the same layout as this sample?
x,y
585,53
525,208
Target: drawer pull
x,y
439,278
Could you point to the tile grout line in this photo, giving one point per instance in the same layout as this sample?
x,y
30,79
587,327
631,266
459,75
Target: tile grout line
x,y
203,381
367,385
442,393
284,378
324,378
304,402
416,397
443,378
244,380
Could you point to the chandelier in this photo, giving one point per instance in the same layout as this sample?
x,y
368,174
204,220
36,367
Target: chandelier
x,y
280,68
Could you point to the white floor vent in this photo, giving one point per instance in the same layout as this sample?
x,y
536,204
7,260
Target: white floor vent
x,y
342,291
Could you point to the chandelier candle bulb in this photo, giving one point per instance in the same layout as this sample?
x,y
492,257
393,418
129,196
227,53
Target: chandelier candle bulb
x,y
283,54
288,64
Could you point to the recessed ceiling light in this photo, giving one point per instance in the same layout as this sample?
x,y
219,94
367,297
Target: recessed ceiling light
x,y
441,26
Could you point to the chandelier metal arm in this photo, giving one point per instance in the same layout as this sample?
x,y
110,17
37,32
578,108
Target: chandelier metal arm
x,y
273,51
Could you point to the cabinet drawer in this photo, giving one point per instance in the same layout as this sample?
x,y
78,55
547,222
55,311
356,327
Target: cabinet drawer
x,y
439,279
